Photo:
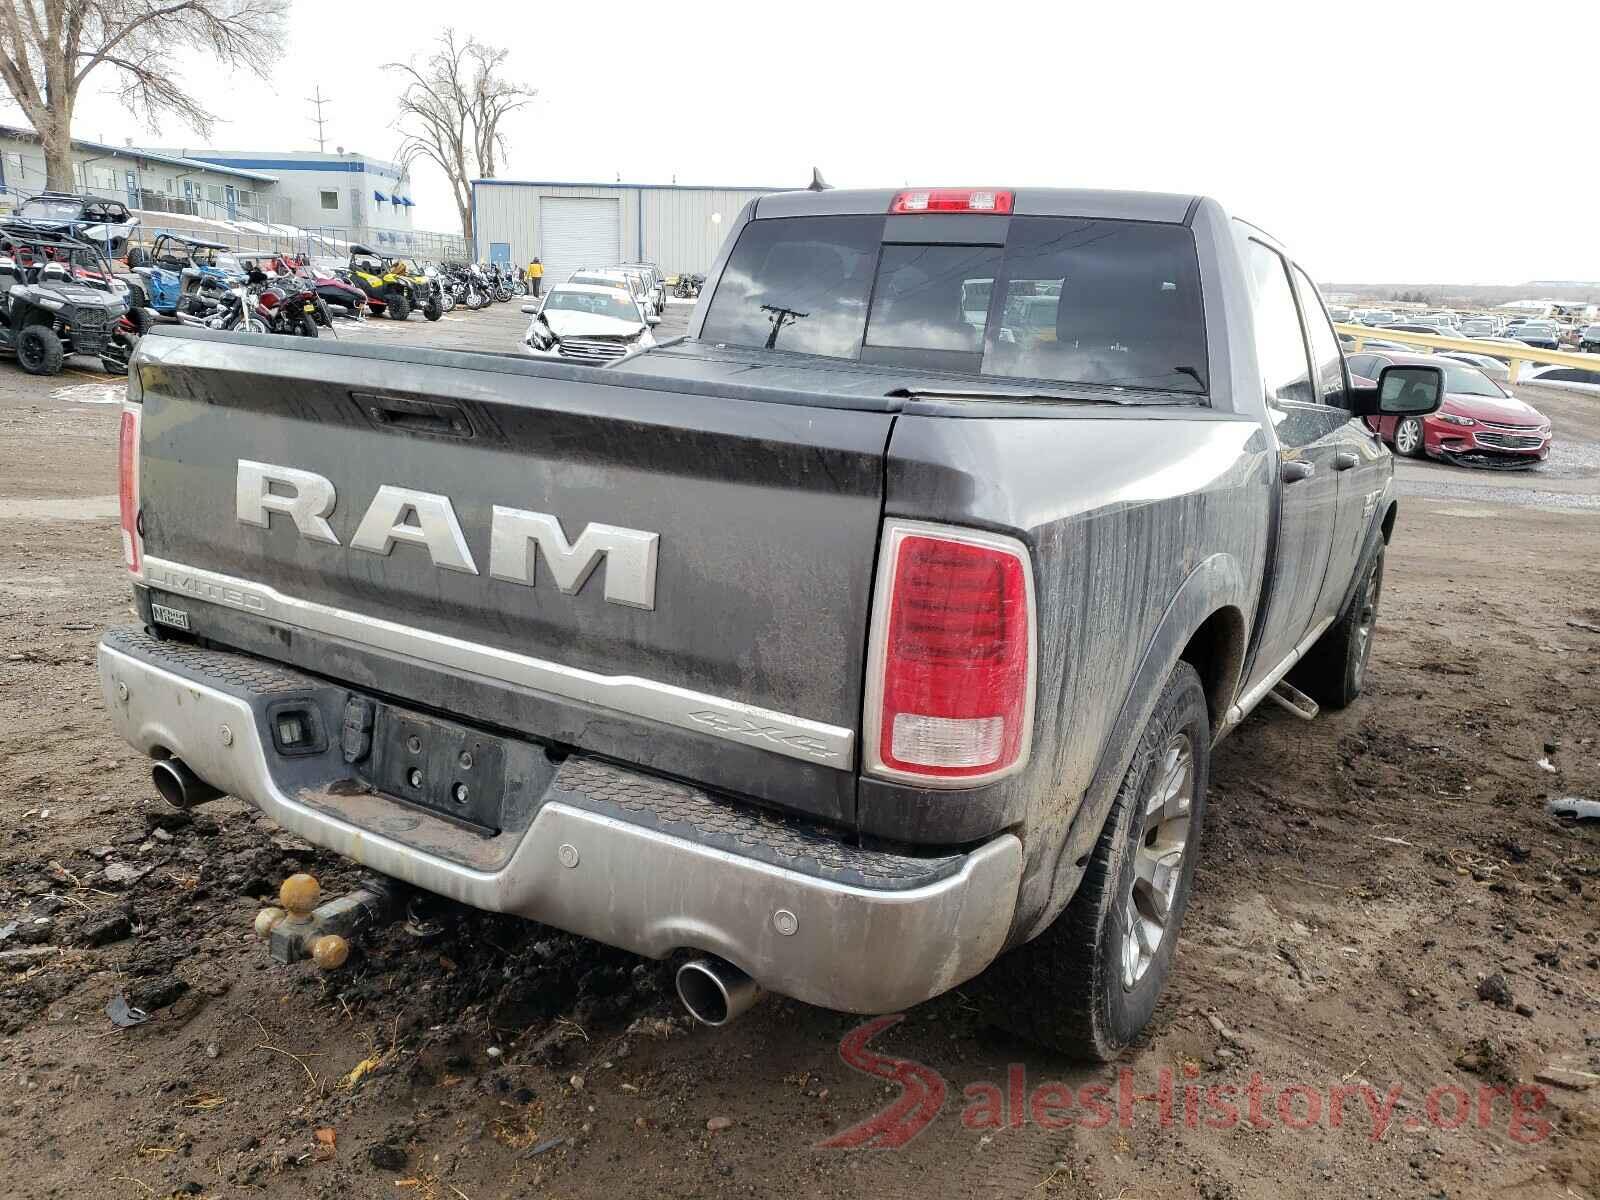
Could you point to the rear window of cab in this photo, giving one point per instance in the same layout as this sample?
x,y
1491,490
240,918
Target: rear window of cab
x,y
1066,299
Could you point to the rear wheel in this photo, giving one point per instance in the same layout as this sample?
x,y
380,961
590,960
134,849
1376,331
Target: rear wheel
x,y
1408,440
433,309
1089,983
39,350
399,307
307,326
1333,671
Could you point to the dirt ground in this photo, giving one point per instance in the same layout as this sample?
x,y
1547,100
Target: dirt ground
x,y
1383,902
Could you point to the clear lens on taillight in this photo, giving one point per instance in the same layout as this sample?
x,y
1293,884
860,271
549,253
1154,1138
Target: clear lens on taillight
x,y
128,487
951,664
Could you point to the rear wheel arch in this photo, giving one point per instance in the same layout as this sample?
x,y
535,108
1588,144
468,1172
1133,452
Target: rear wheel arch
x,y
1216,651
1203,625
1387,524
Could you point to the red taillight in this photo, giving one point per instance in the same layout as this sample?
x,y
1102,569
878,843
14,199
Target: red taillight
x,y
952,200
950,699
128,488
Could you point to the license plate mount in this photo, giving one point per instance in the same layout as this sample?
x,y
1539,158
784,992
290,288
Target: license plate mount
x,y
439,765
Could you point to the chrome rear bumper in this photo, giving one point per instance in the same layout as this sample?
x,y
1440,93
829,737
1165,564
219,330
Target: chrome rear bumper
x,y
611,854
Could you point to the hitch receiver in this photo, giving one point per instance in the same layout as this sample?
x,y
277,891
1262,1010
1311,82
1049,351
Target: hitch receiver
x,y
298,927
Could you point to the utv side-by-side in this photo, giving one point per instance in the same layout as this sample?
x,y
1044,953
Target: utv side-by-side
x,y
391,286
170,272
57,298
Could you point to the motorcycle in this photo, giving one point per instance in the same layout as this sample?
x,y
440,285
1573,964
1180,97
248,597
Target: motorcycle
x,y
476,289
339,298
289,306
501,282
233,309
687,286
440,277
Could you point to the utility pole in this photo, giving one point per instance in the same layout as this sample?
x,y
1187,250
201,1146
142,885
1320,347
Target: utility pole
x,y
319,121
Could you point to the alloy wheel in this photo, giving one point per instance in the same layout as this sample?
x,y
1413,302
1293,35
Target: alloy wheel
x,y
1407,436
1160,843
1367,616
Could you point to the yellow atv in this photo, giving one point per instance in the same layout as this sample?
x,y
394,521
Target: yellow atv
x,y
392,290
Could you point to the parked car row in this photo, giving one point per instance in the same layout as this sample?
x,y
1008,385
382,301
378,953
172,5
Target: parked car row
x,y
598,315
1542,332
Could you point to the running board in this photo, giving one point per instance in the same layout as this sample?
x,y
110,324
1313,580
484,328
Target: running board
x,y
1296,701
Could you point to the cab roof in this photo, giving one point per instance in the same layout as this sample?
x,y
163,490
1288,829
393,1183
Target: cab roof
x,y
1168,207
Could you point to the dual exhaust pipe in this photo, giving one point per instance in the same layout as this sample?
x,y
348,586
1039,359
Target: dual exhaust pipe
x,y
713,990
179,786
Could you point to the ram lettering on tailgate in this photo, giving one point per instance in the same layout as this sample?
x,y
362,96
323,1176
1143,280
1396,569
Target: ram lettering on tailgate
x,y
428,519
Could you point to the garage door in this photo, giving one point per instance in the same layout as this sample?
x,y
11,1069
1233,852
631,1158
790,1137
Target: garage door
x,y
578,232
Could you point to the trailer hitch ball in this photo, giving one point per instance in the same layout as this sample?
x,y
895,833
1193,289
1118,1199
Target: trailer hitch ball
x,y
330,951
267,920
299,895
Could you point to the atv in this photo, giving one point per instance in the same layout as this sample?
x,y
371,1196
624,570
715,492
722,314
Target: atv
x,y
168,275
58,297
392,290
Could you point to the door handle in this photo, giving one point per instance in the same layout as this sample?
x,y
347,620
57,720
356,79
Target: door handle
x,y
1344,460
1296,469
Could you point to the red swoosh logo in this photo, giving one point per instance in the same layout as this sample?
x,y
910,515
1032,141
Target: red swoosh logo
x,y
919,1102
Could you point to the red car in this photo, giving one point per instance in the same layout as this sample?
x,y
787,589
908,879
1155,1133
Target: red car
x,y
1479,423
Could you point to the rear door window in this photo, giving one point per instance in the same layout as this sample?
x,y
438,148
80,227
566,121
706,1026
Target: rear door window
x,y
1326,356
797,283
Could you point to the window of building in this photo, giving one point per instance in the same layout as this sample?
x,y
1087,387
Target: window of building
x,y
330,200
214,192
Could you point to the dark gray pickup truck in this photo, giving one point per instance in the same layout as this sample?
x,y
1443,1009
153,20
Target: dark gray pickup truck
x,y
875,636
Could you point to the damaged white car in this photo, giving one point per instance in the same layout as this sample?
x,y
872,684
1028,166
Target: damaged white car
x,y
587,324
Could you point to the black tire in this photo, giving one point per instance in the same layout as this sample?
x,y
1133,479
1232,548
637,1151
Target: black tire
x,y
112,365
306,326
1066,989
399,306
1334,670
433,309
1408,438
39,350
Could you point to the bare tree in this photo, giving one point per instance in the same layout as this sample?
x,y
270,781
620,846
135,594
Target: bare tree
x,y
450,113
50,48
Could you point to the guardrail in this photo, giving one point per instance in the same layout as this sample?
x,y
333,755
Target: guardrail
x,y
1512,356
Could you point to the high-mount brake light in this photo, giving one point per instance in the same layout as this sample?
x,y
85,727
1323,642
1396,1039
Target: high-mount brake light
x,y
950,685
951,200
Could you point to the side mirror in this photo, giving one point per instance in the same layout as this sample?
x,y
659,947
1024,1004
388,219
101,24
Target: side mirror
x,y
1402,392
530,309
652,320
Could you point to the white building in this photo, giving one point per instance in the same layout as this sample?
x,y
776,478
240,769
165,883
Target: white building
x,y
153,180
572,225
344,190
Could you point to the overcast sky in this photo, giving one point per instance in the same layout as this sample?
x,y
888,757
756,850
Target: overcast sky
x,y
1349,131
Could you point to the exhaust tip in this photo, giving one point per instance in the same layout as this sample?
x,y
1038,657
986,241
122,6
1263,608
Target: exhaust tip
x,y
179,786
714,991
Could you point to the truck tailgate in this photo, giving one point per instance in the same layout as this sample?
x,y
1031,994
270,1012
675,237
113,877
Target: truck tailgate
x,y
446,559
